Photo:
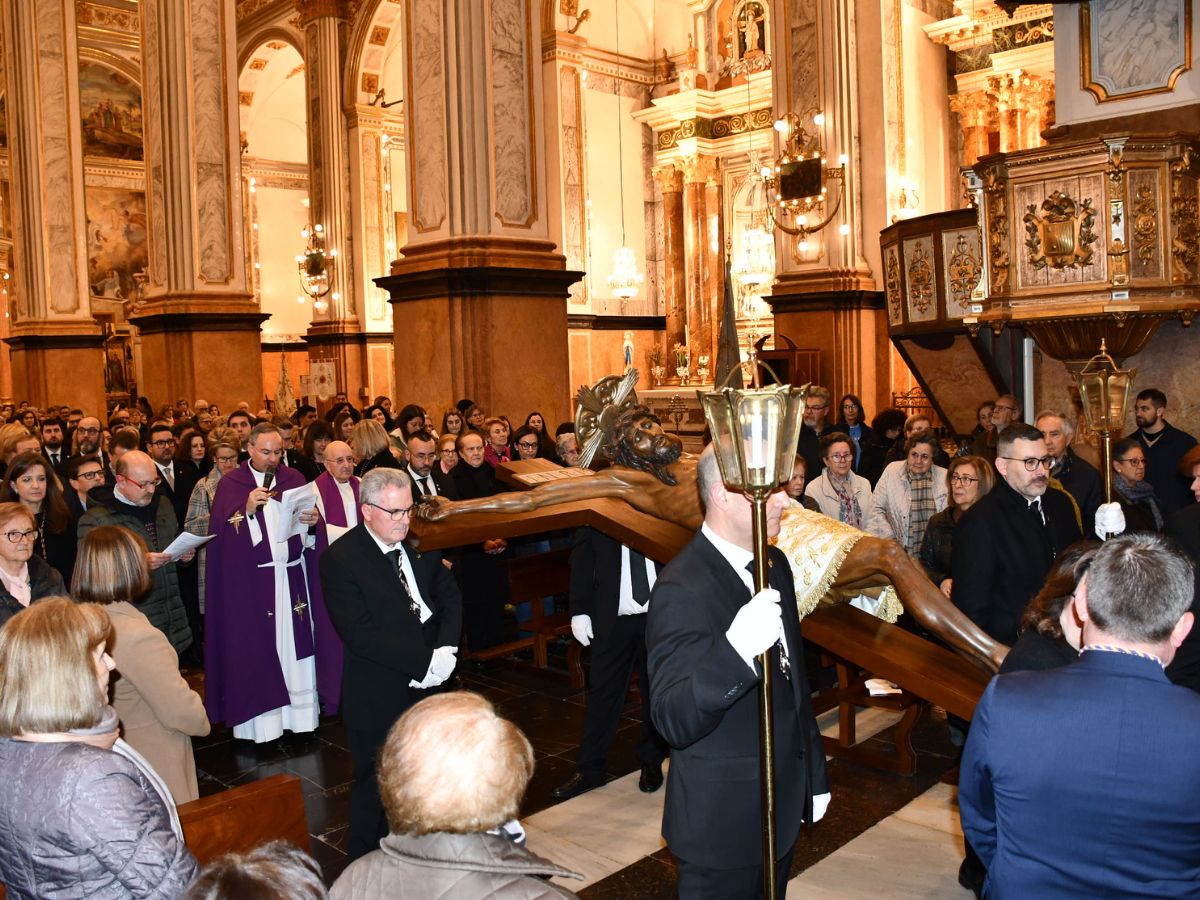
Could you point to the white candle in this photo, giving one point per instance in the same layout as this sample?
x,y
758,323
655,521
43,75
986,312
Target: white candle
x,y
756,432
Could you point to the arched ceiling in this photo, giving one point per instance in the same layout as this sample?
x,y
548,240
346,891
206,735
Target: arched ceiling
x,y
271,103
377,54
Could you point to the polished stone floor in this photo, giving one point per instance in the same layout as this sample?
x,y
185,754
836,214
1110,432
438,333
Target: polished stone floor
x,y
905,827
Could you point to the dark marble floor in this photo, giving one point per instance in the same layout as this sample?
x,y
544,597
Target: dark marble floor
x,y
550,713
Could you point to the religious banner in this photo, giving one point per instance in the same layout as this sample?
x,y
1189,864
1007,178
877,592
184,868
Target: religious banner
x,y
323,376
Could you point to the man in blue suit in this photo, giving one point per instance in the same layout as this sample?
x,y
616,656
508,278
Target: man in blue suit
x,y
1084,781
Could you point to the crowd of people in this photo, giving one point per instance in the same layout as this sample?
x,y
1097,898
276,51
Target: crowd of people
x,y
289,606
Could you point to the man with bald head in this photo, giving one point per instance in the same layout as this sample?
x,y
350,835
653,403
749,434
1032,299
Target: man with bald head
x,y
131,502
261,646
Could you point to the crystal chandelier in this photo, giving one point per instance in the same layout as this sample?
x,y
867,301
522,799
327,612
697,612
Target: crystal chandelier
x,y
625,278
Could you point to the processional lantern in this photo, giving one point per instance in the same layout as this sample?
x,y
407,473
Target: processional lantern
x,y
1104,392
755,432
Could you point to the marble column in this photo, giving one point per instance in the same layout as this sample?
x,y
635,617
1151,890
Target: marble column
x,y
56,347
200,323
481,289
698,172
336,333
670,185
826,297
974,113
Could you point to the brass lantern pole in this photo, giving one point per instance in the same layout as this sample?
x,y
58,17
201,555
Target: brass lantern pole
x,y
1104,392
755,433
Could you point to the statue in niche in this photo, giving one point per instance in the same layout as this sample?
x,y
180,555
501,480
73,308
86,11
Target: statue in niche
x,y
832,562
751,38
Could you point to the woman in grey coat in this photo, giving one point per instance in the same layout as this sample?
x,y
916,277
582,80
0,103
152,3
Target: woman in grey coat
x,y
81,813
451,775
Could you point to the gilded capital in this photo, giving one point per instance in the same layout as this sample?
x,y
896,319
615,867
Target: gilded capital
x,y
311,10
698,169
668,178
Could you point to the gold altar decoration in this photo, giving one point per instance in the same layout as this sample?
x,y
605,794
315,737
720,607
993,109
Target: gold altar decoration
x,y
1060,235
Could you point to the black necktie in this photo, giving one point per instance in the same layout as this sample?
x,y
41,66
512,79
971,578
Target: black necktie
x,y
785,663
638,578
412,601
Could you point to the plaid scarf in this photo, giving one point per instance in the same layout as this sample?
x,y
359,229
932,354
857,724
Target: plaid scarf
x,y
849,510
921,507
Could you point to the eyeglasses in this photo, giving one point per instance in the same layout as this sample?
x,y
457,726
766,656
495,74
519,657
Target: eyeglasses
x,y
394,514
813,407
97,475
450,452
841,457
963,479
82,430
144,485
1004,407
1136,462
171,443
225,459
15,537
1032,462
527,445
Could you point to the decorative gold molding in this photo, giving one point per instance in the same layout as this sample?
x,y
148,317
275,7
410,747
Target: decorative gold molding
x,y
1087,77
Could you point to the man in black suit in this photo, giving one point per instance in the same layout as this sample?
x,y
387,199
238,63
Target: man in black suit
x,y
702,638
422,457
399,615
610,590
53,444
816,425
1005,545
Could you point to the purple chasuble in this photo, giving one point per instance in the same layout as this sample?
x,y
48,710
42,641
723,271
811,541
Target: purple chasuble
x,y
243,677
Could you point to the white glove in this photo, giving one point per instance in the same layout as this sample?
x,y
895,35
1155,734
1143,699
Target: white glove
x,y
1110,520
443,662
756,626
581,627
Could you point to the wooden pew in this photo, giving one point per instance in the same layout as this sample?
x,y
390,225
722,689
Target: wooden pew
x,y
245,817
862,646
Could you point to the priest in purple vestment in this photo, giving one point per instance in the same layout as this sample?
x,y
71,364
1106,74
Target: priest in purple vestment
x,y
261,650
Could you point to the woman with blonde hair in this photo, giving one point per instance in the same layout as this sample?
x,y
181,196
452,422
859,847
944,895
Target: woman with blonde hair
x,y
158,710
371,448
84,814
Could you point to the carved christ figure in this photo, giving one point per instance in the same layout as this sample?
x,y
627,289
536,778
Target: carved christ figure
x,y
652,474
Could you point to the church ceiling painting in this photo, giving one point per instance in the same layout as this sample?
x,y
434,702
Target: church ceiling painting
x,y
111,109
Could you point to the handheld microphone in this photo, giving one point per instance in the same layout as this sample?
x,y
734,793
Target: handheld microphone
x,y
268,478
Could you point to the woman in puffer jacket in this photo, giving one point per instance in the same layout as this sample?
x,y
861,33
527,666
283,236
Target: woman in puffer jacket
x,y
81,813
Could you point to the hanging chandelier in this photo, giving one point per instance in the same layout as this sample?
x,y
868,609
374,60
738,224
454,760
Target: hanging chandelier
x,y
756,261
315,266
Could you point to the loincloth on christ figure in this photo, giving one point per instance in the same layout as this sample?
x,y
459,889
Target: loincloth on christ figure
x,y
816,546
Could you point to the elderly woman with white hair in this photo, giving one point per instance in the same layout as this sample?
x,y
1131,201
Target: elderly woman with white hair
x,y
452,774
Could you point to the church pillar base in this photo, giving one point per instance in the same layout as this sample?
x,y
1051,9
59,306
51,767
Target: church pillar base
x,y
59,368
484,318
849,327
190,354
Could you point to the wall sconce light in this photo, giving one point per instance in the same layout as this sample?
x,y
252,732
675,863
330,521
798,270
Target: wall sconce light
x,y
800,181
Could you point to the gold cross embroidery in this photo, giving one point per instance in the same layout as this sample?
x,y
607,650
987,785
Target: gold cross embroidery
x,y
300,607
236,520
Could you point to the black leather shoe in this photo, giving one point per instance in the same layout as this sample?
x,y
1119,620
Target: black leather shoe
x,y
579,784
651,780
